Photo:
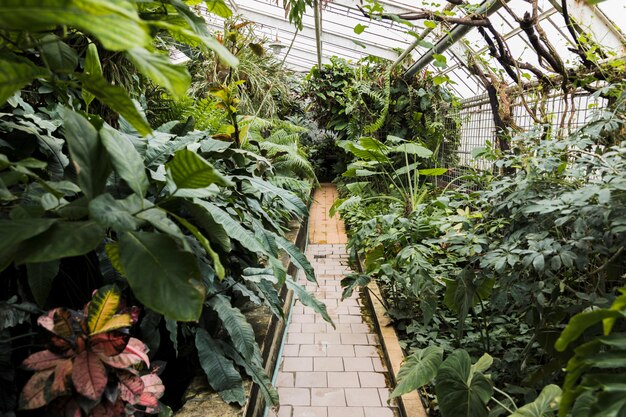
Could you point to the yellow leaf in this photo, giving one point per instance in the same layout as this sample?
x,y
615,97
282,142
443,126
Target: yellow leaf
x,y
102,308
117,322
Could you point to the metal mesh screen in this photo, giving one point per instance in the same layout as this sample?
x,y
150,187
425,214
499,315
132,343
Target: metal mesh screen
x,y
563,116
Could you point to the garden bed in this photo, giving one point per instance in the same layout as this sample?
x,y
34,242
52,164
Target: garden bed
x,y
200,400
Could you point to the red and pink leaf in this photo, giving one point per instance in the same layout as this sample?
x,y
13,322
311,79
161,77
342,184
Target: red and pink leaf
x,y
41,360
62,376
138,348
106,409
153,390
89,375
131,387
36,392
109,344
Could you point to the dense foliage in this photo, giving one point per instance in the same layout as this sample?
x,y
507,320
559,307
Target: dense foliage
x,y
497,274
98,206
372,99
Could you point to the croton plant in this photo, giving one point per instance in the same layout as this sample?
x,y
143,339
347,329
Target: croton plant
x,y
92,366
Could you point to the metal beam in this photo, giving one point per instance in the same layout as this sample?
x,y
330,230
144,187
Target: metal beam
x,y
590,19
458,32
339,39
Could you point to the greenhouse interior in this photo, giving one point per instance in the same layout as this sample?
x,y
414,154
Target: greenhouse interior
x,y
313,208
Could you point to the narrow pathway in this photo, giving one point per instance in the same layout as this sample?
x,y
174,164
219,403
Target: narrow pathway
x,y
328,372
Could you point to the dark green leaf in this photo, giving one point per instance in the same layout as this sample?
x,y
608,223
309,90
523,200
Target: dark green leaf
x,y
56,244
115,23
459,392
126,160
117,99
40,278
88,155
238,328
58,55
307,299
162,277
418,370
112,213
189,170
220,371
16,73
158,68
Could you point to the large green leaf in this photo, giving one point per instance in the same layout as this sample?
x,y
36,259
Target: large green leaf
x,y
214,231
90,160
219,8
220,371
461,393
465,292
307,299
115,23
414,149
40,278
234,229
297,257
112,213
546,402
206,42
16,73
256,372
117,99
581,322
217,264
158,68
190,170
126,160
164,278
91,66
238,328
290,200
58,55
418,370
62,240
15,231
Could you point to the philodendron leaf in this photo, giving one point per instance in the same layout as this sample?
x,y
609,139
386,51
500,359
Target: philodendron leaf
x,y
88,155
115,23
158,68
418,370
126,160
461,393
220,371
290,200
190,170
163,277
546,402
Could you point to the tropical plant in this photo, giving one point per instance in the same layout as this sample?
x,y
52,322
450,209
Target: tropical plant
x,y
92,365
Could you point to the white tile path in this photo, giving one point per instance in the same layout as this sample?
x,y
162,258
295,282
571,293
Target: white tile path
x,y
326,371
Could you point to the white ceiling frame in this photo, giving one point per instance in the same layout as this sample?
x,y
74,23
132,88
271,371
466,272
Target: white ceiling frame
x,y
308,31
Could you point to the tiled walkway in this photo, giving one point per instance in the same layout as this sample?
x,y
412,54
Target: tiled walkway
x,y
328,372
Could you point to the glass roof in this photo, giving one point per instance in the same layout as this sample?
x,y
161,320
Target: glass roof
x,y
388,38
